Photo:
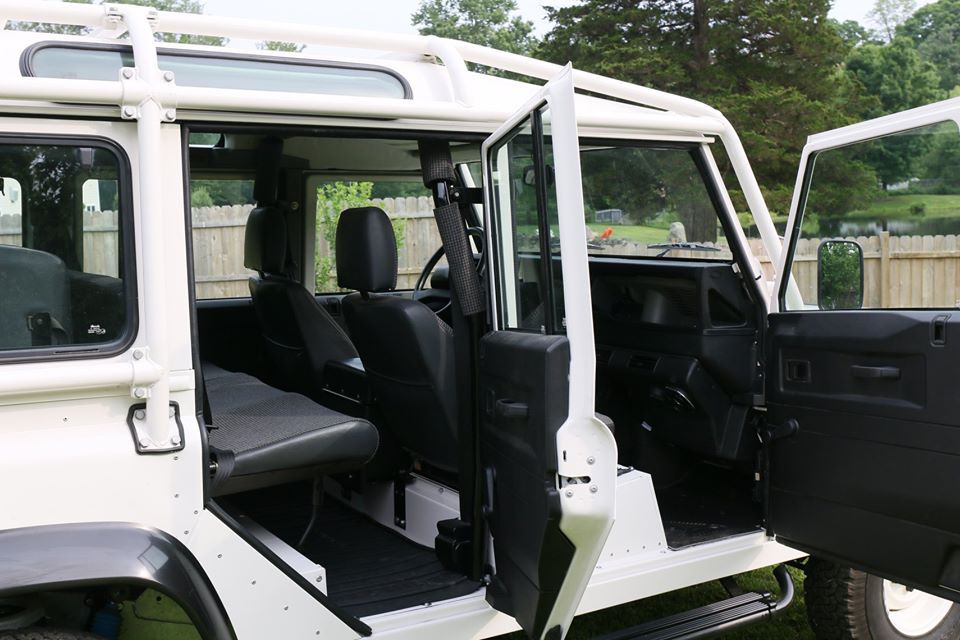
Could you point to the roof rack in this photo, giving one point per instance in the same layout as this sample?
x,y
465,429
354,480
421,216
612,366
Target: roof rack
x,y
150,96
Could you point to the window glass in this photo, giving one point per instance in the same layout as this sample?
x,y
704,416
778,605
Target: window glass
x,y
221,72
649,201
62,280
410,207
525,215
219,211
895,202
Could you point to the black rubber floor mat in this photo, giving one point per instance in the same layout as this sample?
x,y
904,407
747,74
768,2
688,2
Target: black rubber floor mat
x,y
708,505
370,569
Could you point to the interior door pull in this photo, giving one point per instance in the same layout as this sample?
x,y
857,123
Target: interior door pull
x,y
512,409
881,373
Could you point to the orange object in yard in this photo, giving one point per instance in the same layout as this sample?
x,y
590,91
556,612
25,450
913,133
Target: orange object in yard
x,y
606,233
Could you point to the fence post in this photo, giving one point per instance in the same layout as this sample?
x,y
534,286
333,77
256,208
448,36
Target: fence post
x,y
884,269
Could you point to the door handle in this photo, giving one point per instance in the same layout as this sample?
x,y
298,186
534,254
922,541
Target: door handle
x,y
875,373
511,409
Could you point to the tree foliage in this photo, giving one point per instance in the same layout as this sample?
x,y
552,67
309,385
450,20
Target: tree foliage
x,y
280,45
491,23
935,30
890,14
769,65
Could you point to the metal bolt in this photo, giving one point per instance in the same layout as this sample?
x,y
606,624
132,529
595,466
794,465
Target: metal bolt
x,y
569,493
175,439
176,495
127,72
186,533
286,607
591,460
170,114
168,76
139,414
219,555
176,457
129,112
594,489
319,578
144,442
172,412
138,354
139,392
253,582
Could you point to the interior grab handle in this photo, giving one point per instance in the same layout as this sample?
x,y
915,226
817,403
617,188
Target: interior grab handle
x,y
875,373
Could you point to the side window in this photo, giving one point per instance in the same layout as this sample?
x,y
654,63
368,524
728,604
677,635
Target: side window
x,y
410,207
649,201
879,224
523,198
219,211
66,272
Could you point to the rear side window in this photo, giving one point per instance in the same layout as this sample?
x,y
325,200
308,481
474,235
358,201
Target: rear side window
x,y
219,71
65,274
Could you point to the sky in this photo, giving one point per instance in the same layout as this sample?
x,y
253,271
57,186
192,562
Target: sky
x,y
394,15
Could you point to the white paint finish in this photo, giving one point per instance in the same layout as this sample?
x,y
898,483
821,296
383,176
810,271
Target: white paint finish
x,y
637,529
306,567
260,600
944,111
427,503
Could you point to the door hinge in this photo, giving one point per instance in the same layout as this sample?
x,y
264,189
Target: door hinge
x,y
137,421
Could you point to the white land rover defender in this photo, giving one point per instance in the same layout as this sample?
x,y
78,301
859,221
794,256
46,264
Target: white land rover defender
x,y
223,383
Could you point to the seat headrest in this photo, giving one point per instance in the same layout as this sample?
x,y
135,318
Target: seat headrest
x,y
265,241
366,250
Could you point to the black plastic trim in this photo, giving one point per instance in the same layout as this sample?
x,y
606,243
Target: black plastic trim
x,y
795,231
26,59
108,553
354,623
128,257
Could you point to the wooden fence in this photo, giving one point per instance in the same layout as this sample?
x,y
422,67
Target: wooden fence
x,y
899,271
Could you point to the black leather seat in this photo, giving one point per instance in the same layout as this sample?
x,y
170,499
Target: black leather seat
x,y
406,350
300,336
264,436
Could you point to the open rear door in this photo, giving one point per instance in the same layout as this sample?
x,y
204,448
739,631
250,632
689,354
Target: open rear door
x,y
863,355
548,464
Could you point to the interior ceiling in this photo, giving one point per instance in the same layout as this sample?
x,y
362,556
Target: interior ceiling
x,y
355,155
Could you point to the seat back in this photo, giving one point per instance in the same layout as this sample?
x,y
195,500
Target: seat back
x,y
35,310
300,337
406,350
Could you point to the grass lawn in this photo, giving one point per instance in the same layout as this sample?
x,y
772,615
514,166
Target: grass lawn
x,y
898,207
636,233
791,624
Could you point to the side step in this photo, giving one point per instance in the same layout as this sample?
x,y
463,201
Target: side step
x,y
714,618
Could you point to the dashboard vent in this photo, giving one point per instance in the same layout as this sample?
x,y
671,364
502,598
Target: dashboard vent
x,y
604,355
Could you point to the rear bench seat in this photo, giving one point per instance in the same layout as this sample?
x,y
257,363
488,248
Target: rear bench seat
x,y
264,436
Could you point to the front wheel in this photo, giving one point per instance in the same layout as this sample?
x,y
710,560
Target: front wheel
x,y
846,604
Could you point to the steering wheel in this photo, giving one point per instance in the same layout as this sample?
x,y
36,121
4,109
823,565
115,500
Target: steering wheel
x,y
475,232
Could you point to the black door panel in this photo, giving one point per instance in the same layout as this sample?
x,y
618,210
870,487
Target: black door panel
x,y
871,476
524,391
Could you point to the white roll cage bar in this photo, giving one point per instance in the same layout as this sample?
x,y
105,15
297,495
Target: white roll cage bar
x,y
151,97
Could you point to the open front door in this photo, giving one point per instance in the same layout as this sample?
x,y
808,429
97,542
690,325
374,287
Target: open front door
x,y
863,354
548,464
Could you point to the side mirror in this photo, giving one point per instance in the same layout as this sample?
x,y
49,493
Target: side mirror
x,y
839,275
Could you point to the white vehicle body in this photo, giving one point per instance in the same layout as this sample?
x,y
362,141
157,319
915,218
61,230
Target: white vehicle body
x,y
66,455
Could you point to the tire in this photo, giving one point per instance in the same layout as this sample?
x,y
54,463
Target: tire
x,y
846,604
35,633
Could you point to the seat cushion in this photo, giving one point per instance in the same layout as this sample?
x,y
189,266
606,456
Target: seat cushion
x,y
269,430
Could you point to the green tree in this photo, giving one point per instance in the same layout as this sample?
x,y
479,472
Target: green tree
x,y
935,30
853,33
770,65
332,199
492,23
895,78
890,14
279,45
